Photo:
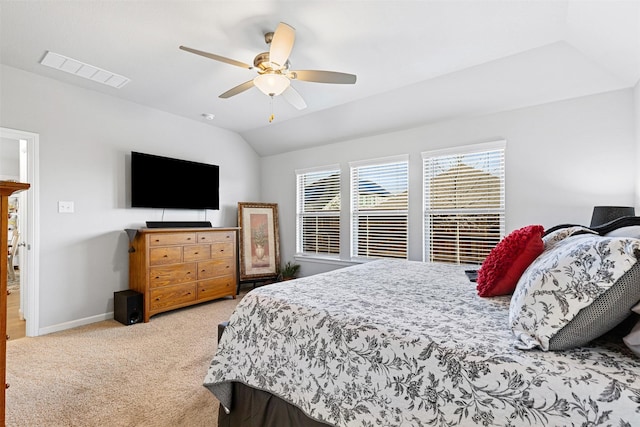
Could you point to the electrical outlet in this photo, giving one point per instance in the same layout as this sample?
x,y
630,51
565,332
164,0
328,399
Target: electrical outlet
x,y
65,207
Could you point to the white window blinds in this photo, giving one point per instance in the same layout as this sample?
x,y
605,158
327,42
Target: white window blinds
x,y
318,211
463,203
379,208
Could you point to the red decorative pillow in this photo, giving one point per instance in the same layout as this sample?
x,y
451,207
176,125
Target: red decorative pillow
x,y
504,265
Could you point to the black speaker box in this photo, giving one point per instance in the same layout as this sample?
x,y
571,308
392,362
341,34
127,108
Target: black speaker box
x,y
127,307
178,224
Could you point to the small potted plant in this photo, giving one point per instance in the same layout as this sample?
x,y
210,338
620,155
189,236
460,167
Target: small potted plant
x,y
289,271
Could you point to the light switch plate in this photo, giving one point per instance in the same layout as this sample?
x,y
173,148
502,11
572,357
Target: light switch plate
x,y
65,207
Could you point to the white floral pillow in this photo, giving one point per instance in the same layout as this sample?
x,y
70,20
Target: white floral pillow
x,y
575,291
630,231
553,238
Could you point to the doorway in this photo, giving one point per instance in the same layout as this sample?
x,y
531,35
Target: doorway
x,y
27,218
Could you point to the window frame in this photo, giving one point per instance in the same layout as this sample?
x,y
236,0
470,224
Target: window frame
x,y
498,145
355,212
301,213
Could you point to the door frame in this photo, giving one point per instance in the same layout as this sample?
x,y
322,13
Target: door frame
x,y
32,238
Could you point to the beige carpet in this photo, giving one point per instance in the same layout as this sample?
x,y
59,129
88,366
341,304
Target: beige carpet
x,y
108,374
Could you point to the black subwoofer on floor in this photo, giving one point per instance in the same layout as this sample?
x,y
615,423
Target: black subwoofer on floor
x,y
127,307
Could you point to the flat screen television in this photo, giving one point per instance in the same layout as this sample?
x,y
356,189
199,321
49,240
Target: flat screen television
x,y
164,182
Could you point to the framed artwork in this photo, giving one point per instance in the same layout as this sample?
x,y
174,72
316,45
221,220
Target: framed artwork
x,y
259,245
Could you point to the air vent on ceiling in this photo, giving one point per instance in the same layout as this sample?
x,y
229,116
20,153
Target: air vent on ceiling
x,y
80,69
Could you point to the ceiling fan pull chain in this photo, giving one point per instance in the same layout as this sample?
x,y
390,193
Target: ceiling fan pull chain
x,y
271,117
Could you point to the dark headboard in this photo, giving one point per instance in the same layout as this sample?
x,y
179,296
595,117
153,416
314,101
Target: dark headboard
x,y
603,229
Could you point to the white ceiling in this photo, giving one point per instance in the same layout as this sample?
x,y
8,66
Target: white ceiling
x,y
416,61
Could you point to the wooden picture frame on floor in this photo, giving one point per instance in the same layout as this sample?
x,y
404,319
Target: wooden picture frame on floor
x,y
259,240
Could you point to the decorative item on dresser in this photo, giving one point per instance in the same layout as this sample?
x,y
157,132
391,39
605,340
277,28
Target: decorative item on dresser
x,y
178,267
7,188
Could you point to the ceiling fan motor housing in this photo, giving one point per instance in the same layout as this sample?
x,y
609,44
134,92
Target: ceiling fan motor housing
x,y
263,64
261,61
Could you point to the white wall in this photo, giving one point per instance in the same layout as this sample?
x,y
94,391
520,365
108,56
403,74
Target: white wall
x,y
9,159
636,103
561,160
85,144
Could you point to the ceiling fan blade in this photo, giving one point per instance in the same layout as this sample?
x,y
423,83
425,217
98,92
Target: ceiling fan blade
x,y
282,43
238,89
217,57
323,76
293,97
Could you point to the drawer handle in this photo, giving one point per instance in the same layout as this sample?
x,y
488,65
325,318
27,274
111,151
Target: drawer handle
x,y
188,293
203,271
157,299
157,277
166,256
196,253
188,238
157,240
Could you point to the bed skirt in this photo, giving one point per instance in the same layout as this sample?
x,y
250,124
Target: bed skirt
x,y
257,408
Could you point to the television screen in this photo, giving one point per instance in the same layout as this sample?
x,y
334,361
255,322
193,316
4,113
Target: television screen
x,y
163,182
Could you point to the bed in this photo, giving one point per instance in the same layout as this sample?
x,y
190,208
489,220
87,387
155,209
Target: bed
x,y
404,343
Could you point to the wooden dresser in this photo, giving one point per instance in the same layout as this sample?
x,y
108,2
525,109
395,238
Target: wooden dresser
x,y
178,267
7,188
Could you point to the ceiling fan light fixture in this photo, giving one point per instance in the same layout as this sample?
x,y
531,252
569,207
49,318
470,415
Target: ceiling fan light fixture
x,y
271,84
274,69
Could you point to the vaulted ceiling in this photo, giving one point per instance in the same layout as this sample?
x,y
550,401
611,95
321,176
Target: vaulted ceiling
x,y
416,61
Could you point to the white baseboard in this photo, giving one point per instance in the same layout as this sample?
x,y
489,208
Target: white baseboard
x,y
75,323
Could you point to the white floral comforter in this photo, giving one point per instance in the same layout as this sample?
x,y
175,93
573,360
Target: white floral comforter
x,y
401,343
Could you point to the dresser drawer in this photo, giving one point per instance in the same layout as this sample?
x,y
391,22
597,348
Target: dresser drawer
x,y
165,255
167,239
216,236
181,273
222,249
216,268
215,288
196,252
172,295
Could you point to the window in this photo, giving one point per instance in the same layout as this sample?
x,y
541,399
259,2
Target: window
x,y
379,208
463,202
318,211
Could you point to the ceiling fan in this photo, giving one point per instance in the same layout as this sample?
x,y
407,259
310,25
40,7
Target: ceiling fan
x,y
273,67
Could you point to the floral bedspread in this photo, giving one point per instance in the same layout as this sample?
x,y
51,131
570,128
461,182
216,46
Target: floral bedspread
x,y
402,343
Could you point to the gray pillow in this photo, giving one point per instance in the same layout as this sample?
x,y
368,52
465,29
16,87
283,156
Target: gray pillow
x,y
576,290
606,312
